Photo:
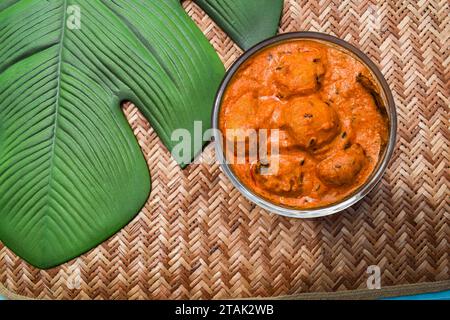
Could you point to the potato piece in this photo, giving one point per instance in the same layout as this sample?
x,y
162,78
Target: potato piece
x,y
266,107
299,73
343,167
310,122
287,178
243,119
240,114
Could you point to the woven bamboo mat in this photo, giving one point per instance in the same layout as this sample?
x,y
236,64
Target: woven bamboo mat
x,y
197,237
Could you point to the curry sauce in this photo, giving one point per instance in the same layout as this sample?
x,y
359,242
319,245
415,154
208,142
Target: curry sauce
x,y
332,126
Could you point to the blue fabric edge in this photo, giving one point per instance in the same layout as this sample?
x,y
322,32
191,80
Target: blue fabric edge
x,y
444,295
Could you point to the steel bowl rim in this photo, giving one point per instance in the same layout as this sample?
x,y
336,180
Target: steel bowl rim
x,y
362,191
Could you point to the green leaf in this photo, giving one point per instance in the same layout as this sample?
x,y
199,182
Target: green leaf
x,y
71,171
246,21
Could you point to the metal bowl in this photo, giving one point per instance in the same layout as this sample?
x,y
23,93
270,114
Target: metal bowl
x,y
376,175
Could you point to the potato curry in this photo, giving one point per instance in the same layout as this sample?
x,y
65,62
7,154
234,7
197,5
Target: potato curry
x,y
332,125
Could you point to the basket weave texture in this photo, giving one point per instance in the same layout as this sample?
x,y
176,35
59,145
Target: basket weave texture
x,y
197,237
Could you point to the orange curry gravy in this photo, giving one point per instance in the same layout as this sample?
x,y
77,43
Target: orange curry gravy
x,y
332,124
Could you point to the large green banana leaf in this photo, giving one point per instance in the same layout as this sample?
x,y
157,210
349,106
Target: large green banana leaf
x,y
247,22
71,171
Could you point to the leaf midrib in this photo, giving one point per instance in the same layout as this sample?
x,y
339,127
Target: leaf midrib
x,y
57,100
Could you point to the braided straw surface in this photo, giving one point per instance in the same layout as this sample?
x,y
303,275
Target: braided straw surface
x,y
197,237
